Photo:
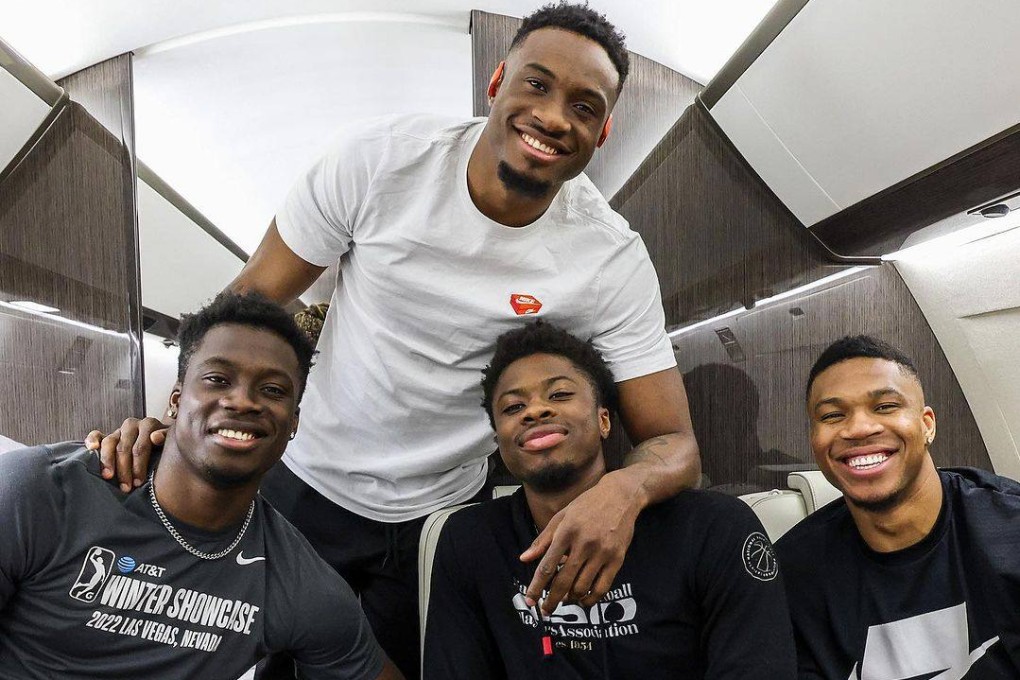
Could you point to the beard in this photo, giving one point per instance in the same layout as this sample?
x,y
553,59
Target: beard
x,y
879,505
519,183
552,478
225,480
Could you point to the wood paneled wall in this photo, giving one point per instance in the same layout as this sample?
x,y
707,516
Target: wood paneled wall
x,y
653,98
68,240
720,240
749,413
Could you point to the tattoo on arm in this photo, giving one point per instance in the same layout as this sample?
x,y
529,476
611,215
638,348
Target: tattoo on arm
x,y
651,450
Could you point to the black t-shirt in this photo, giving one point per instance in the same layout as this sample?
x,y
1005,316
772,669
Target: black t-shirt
x,y
93,586
949,604
698,597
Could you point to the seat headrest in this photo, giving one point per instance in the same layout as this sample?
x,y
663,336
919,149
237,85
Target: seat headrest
x,y
814,487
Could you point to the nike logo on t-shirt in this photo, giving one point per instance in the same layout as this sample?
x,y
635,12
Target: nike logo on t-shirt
x,y
242,560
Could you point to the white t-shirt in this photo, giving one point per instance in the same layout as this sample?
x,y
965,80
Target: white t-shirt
x,y
391,422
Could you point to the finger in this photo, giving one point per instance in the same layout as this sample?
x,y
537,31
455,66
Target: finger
x,y
541,543
598,590
140,454
128,437
546,569
562,583
158,437
92,440
108,454
584,581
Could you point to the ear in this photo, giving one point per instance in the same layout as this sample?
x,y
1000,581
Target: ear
x,y
295,419
496,81
928,416
174,401
604,422
606,129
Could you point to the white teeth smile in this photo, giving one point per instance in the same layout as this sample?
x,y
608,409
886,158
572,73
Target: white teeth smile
x,y
236,434
866,462
532,142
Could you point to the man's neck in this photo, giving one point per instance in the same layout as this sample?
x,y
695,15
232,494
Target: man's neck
x,y
543,505
909,522
491,196
181,492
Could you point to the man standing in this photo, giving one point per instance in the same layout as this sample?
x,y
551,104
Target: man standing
x,y
448,233
699,596
914,572
191,575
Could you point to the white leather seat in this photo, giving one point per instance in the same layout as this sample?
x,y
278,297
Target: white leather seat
x,y
778,510
814,487
426,554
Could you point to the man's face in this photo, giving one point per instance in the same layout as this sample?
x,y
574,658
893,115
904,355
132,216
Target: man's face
x,y
869,431
549,426
557,92
237,406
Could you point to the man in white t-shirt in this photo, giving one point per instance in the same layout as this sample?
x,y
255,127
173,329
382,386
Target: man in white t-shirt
x,y
450,233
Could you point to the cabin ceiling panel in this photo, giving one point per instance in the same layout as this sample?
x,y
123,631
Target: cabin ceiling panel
x,y
22,114
866,94
182,266
231,123
693,37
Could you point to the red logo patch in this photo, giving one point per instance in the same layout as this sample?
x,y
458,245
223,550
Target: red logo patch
x,y
524,304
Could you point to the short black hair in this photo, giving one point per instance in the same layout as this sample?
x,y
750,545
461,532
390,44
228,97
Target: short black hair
x,y
248,309
585,21
540,337
857,347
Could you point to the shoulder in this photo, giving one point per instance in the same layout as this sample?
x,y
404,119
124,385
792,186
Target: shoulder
x,y
972,483
39,466
424,130
585,203
479,520
703,518
989,503
808,538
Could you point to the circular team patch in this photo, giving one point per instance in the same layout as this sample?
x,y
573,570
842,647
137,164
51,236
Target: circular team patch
x,y
759,557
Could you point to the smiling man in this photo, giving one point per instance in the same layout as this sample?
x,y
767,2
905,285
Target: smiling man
x,y
448,233
699,596
191,575
914,573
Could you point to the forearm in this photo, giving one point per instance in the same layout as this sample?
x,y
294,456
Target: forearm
x,y
658,468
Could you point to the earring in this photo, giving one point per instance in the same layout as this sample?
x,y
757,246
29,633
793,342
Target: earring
x,y
292,435
172,411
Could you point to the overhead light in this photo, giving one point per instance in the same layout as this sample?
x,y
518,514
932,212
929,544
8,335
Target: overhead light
x,y
30,306
59,319
951,242
794,292
714,319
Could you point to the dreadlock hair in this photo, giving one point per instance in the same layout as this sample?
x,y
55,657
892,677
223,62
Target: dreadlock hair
x,y
545,338
856,347
585,21
248,309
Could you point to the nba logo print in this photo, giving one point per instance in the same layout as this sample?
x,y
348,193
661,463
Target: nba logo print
x,y
524,304
95,569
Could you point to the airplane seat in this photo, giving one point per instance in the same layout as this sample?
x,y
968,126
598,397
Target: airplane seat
x,y
777,510
815,489
426,554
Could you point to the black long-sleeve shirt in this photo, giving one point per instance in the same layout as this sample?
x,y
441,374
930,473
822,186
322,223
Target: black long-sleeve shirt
x,y
698,597
946,607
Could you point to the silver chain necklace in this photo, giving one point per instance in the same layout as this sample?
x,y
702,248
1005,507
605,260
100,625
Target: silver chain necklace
x,y
180,539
